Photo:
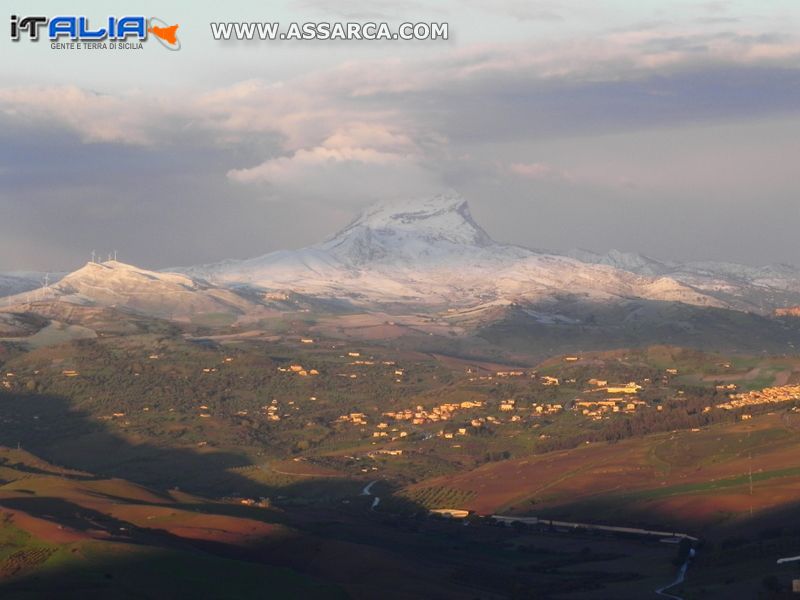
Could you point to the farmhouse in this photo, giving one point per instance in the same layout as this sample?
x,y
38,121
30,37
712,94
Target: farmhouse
x,y
354,418
507,405
276,296
629,388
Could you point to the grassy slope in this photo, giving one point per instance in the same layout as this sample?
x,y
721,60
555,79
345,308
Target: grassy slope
x,y
689,479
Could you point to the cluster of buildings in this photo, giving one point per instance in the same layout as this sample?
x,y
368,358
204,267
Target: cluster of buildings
x,y
449,435
271,411
546,409
355,418
598,409
384,431
298,370
546,380
508,405
510,374
770,395
442,412
385,452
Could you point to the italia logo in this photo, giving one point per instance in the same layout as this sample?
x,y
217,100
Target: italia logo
x,y
126,29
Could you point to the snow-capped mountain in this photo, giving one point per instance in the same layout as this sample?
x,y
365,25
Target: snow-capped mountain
x,y
422,253
761,289
116,284
431,252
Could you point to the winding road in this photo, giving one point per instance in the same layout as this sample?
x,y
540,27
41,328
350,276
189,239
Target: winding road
x,y
662,591
367,491
678,578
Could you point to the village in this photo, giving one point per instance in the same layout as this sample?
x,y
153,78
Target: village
x,y
482,401
398,424
769,395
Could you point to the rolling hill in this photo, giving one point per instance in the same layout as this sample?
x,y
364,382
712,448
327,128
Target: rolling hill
x,y
118,285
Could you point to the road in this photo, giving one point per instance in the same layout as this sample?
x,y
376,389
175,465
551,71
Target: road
x,y
574,525
678,578
367,491
616,529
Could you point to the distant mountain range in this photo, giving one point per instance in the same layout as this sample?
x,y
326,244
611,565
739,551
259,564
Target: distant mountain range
x,y
760,289
428,254
18,282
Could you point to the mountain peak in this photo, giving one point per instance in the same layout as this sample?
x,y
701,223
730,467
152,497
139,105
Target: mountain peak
x,y
420,225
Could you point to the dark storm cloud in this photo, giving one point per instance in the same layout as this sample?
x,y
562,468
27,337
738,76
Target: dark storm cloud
x,y
61,199
521,109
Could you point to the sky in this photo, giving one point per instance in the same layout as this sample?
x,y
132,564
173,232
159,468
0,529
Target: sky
x,y
670,128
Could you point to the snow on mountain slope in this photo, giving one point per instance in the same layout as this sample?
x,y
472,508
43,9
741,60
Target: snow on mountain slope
x,y
761,289
115,284
425,252
17,282
431,251
626,261
419,230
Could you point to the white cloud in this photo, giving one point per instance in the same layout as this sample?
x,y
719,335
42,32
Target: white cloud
x,y
537,170
365,163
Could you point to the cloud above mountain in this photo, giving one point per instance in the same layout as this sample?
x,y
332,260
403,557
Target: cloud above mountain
x,y
537,131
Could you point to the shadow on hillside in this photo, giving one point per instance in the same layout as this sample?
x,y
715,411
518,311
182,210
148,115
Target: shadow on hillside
x,y
330,540
31,470
580,325
91,522
370,553
48,427
142,563
778,523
